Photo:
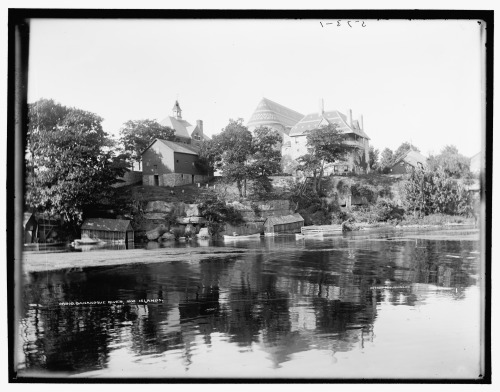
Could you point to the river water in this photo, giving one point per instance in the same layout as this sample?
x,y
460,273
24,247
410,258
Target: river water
x,y
371,304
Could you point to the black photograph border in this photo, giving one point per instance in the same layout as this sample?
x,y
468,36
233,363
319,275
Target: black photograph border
x,y
18,47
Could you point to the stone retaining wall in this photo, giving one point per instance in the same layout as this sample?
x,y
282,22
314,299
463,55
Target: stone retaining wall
x,y
254,215
174,179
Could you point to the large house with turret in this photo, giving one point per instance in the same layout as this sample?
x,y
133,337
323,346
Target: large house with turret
x,y
295,126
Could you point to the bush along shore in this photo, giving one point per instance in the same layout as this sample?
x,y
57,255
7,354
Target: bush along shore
x,y
211,210
418,199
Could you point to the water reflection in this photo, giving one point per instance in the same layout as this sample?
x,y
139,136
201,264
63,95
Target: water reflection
x,y
293,298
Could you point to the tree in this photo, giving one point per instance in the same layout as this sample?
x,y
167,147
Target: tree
x,y
266,154
265,158
217,213
451,162
389,158
136,135
430,191
229,152
324,145
373,157
69,160
386,160
404,148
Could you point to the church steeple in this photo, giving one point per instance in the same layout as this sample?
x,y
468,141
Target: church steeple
x,y
177,112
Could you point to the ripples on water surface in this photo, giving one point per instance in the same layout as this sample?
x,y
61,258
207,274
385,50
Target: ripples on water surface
x,y
376,304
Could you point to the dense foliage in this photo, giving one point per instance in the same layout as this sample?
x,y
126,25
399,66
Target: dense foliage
x,y
451,162
241,156
388,158
427,192
386,210
218,213
69,161
373,155
325,145
404,148
136,135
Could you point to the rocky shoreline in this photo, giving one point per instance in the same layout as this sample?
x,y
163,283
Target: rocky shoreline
x,y
39,262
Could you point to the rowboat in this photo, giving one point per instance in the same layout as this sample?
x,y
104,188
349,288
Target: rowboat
x,y
309,235
241,237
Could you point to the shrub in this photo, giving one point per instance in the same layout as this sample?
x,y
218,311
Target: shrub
x,y
366,191
261,188
426,192
386,210
217,213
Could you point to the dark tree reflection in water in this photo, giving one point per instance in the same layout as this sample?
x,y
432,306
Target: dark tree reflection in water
x,y
306,308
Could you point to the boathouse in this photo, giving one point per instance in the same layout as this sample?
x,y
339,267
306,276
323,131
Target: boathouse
x,y
116,230
284,224
30,227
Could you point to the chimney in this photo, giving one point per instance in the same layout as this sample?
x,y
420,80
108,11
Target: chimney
x,y
349,114
199,124
321,107
361,122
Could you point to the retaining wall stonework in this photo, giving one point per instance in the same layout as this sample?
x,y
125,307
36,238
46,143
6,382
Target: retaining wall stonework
x,y
174,179
259,212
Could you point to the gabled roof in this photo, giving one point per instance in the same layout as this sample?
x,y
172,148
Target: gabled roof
x,y
26,217
176,147
192,128
178,125
106,224
313,120
180,147
412,158
269,112
282,220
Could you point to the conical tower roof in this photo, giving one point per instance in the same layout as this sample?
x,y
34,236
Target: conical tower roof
x,y
269,113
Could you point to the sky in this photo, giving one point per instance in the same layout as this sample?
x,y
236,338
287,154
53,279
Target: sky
x,y
416,81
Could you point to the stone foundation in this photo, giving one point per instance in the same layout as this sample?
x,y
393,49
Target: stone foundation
x,y
174,179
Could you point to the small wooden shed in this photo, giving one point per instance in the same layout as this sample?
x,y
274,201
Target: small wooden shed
x,y
284,224
116,230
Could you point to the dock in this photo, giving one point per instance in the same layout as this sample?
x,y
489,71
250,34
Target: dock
x,y
323,229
